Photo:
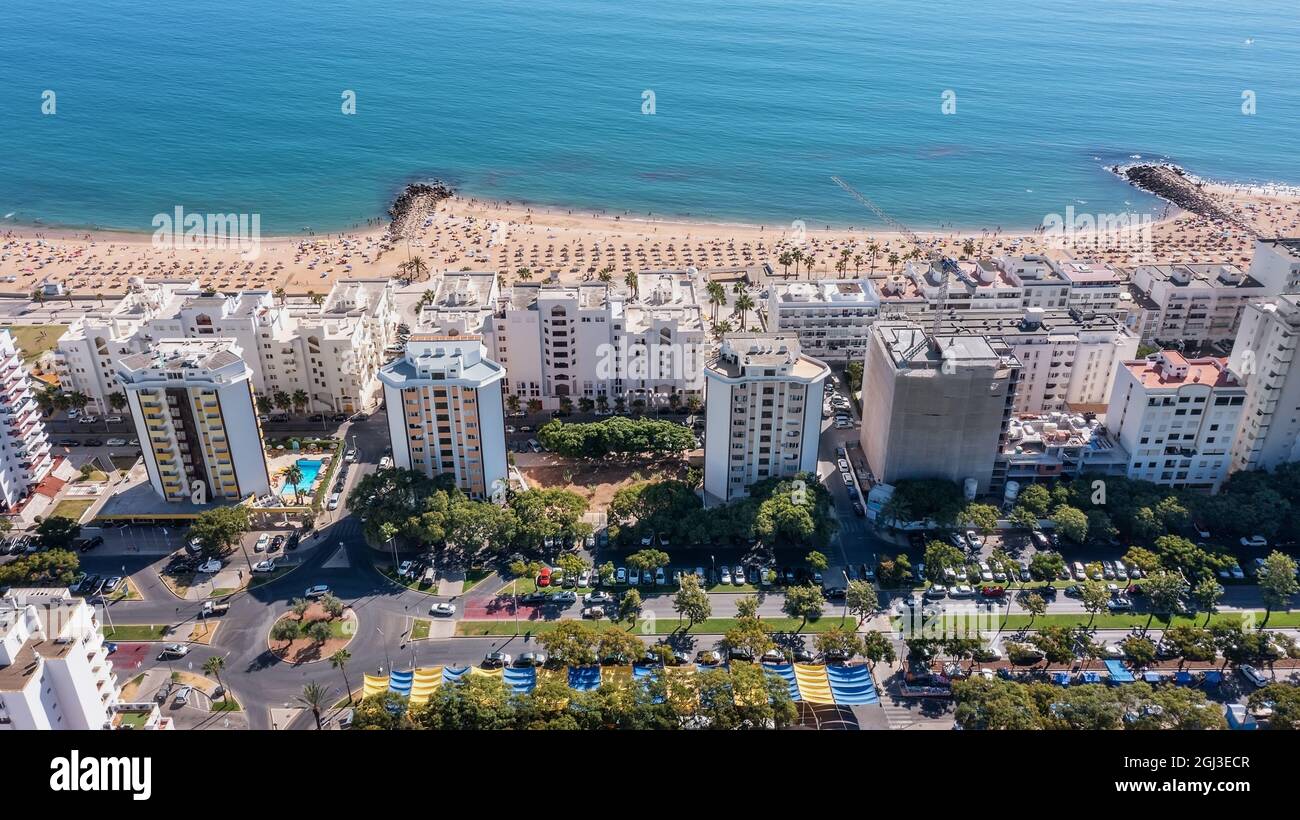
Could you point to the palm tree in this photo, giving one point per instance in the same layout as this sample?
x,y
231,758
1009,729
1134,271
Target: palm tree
x,y
300,399
418,267
280,294
968,247
743,305
721,329
339,660
630,281
292,475
717,295
857,263
213,667
314,697
606,274
785,260
283,400
78,400
524,273
264,405
797,256
873,250
534,406
117,400
428,298
808,262
512,401
893,262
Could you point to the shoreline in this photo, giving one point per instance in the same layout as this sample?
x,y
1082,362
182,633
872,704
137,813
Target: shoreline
x,y
627,216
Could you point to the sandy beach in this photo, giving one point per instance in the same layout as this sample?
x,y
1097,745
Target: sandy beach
x,y
470,234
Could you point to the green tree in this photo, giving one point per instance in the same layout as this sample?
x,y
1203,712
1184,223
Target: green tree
x,y
319,632
1140,651
748,635
861,599
213,667
220,529
339,660
286,630
1094,596
316,698
1207,594
1071,523
805,602
571,643
1046,566
838,641
1283,699
876,647
57,532
1036,499
817,561
691,602
629,606
1164,592
1143,559
1034,604
1277,582
991,704
983,517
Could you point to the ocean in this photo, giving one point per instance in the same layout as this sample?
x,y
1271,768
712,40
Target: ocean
x,y
946,113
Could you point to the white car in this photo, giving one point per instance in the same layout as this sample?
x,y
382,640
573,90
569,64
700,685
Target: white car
x,y
385,463
318,591
620,575
333,502
1251,674
265,566
974,539
443,610
210,566
116,442
584,578
659,576
263,541
404,568
113,420
738,575
725,576
633,577
183,695
1254,541
350,456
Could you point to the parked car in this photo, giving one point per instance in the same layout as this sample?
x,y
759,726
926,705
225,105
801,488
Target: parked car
x,y
443,610
210,566
1254,541
173,650
595,613
265,566
532,659
1252,674
116,442
317,591
495,660
708,657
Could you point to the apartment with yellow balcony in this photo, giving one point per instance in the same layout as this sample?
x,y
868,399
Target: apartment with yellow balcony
x,y
445,411
192,404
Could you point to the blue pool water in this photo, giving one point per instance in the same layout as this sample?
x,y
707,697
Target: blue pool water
x,y
310,469
237,106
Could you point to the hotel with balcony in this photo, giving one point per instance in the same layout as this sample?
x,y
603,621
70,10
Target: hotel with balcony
x,y
445,411
331,350
831,317
763,417
1177,418
25,456
1193,303
192,404
55,672
1263,360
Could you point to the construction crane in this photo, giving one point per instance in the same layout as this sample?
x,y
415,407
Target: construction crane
x,y
938,259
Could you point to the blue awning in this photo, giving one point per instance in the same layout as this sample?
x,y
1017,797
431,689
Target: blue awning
x,y
1118,672
1061,678
1153,677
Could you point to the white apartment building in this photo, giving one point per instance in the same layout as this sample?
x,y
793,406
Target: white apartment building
x,y
1094,286
1039,277
331,351
462,303
989,283
1067,359
1276,264
1195,303
1177,418
831,317
54,670
1262,360
446,411
763,417
192,404
936,406
569,342
25,454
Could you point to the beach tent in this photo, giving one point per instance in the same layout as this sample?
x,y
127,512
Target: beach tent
x,y
785,672
1118,672
1183,678
1061,678
584,678
1154,677
454,674
424,682
374,685
814,685
1213,677
400,682
852,685
1093,677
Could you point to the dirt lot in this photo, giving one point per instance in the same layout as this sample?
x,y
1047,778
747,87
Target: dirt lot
x,y
595,481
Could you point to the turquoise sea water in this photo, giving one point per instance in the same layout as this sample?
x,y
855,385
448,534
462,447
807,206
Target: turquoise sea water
x,y
235,106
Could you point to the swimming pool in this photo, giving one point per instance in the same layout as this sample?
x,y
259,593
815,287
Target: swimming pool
x,y
310,469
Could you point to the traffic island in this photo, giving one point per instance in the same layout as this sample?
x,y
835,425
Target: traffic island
x,y
314,635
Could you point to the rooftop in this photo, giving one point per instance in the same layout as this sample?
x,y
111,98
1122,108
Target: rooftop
x,y
742,354
185,354
1220,275
1169,368
1089,273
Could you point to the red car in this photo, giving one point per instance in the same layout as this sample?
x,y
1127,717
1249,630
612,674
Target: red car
x,y
544,577
993,592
